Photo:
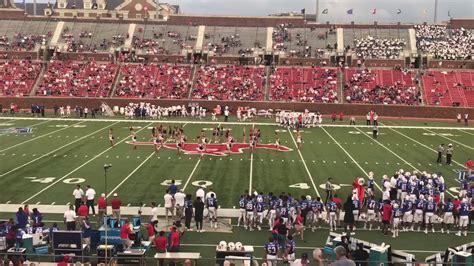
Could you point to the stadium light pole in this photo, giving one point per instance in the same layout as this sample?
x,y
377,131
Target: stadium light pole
x,y
435,11
317,11
106,166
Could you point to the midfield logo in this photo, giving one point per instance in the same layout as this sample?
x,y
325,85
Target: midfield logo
x,y
16,130
217,149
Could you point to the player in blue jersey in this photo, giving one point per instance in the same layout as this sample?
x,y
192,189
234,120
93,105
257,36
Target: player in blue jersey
x,y
317,208
271,252
464,210
259,208
211,204
332,219
249,212
396,216
419,209
448,218
430,209
272,210
242,215
290,249
372,208
407,208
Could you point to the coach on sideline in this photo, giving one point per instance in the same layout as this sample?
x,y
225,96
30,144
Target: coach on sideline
x,y
78,194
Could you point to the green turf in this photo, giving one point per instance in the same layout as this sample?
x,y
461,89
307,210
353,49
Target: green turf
x,y
326,153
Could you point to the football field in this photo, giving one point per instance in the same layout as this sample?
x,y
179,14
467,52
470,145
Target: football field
x,y
42,160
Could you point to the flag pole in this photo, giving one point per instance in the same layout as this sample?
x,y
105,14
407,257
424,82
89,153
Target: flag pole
x,y
435,11
317,10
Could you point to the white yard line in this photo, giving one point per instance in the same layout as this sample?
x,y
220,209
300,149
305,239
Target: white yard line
x,y
37,124
79,167
133,172
42,136
452,140
227,123
58,149
192,173
403,160
467,132
304,164
347,153
251,168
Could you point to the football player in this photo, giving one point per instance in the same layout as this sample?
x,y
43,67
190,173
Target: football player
x,y
430,209
332,208
133,136
111,137
396,214
242,216
212,210
448,218
464,210
371,212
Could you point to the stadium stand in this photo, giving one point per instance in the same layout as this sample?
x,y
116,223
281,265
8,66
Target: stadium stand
x,y
78,79
449,88
24,35
229,83
380,86
444,43
164,39
93,37
371,47
234,40
304,84
154,81
17,77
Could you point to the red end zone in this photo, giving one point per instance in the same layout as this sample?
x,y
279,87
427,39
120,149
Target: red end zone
x,y
216,149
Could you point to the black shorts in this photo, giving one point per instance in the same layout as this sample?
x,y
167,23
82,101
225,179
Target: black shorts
x,y
386,222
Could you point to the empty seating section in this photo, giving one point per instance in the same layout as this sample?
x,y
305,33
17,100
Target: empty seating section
x,y
447,88
234,83
303,42
164,39
304,84
93,37
78,79
232,40
16,35
17,77
154,81
380,86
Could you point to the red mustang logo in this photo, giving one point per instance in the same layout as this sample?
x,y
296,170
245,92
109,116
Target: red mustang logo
x,y
217,149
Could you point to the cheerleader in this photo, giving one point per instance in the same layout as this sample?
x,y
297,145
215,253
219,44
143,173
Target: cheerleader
x,y
180,144
253,143
244,136
156,141
133,136
230,140
111,137
201,146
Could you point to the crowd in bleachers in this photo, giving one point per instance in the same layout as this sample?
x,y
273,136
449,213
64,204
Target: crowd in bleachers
x,y
280,35
229,83
154,81
372,47
18,76
226,44
443,43
304,84
80,79
84,41
23,42
155,43
380,87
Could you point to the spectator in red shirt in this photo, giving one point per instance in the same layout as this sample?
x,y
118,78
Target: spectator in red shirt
x,y
333,117
338,202
160,243
174,240
125,232
386,216
341,116
82,212
469,165
151,230
116,203
456,203
102,207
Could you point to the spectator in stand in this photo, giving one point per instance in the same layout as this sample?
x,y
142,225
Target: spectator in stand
x,y
116,204
151,230
70,219
371,47
174,239
444,43
161,242
102,208
21,219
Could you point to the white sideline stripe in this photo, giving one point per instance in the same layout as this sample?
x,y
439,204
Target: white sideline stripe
x,y
77,168
421,144
403,160
452,140
192,173
347,153
42,136
304,164
60,148
133,172
227,123
251,169
467,132
37,124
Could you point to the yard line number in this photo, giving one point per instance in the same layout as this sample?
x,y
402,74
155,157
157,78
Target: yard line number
x,y
197,183
50,179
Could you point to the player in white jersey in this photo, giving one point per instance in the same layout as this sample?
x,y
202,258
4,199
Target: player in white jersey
x,y
299,140
277,140
133,136
61,111
68,111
